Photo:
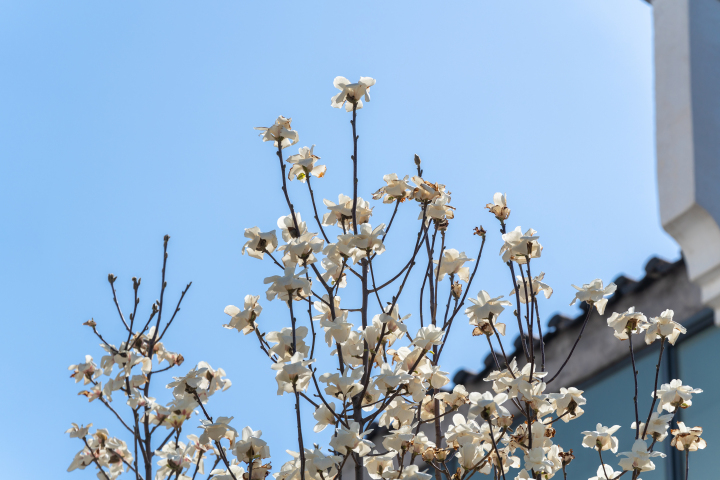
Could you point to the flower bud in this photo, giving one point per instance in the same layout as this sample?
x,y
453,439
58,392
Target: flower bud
x,y
456,290
111,278
480,232
417,160
441,455
91,323
567,457
505,421
428,455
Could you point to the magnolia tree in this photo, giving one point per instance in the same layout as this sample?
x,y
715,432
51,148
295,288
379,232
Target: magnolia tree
x,y
386,373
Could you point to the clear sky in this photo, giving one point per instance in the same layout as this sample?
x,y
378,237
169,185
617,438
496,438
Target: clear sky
x,y
123,121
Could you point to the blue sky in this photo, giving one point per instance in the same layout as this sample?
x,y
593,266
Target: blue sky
x,y
121,122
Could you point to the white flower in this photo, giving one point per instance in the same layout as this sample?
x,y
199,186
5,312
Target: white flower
x,y
304,165
337,329
568,401
87,371
639,458
341,213
244,321
452,263
287,226
601,438
325,416
293,376
279,132
301,250
657,428
687,438
518,246
499,206
350,438
469,454
485,311
378,464
251,446
456,398
343,386
627,322
259,243
288,286
396,190
605,473
537,287
593,293
351,92
675,395
217,431
284,342
78,432
428,336
368,241
535,460
487,406
664,327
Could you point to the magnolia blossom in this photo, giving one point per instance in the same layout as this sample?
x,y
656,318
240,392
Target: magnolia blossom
x,y
639,458
627,322
601,438
201,380
452,263
663,327
217,430
350,438
378,464
688,439
279,132
340,214
325,416
674,395
428,336
86,372
485,311
426,192
337,329
499,206
535,460
287,342
244,320
411,472
457,398
345,385
288,286
486,406
518,246
259,243
288,228
301,250
396,190
251,446
567,403
593,293
537,287
657,427
439,209
293,376
351,93
605,472
78,432
304,165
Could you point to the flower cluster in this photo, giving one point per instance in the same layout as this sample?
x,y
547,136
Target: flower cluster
x,y
383,398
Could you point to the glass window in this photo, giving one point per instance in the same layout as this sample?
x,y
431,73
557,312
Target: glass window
x,y
610,402
697,366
